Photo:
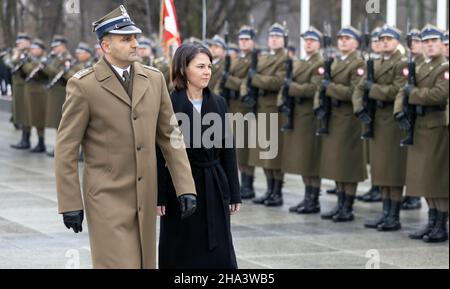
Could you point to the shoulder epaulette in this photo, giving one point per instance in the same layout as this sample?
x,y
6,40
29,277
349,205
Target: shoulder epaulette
x,y
82,73
151,68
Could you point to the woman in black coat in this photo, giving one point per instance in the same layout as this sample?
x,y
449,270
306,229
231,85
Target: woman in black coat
x,y
204,239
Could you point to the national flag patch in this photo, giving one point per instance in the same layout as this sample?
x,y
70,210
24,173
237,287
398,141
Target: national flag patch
x,y
321,71
360,71
446,75
405,71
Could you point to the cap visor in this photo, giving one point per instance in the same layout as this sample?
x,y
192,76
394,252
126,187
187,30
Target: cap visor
x,y
127,30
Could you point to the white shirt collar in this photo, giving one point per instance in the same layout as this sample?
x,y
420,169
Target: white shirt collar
x,y
428,60
121,70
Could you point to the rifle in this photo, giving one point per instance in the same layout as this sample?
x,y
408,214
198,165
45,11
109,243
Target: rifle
x,y
6,51
288,106
224,91
59,75
369,105
23,59
33,73
410,111
323,112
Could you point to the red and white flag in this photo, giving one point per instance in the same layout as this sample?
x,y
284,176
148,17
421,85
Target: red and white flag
x,y
170,37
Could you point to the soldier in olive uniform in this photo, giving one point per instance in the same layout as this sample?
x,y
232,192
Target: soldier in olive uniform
x,y
14,61
84,59
373,195
387,158
409,202
342,157
301,147
427,158
268,79
217,47
146,53
35,92
234,80
59,63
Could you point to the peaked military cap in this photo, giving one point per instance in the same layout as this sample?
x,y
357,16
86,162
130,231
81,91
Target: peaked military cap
x,y
431,32
58,40
115,22
277,29
83,47
390,31
247,32
350,31
312,33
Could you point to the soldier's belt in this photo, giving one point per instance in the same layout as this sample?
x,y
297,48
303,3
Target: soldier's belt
x,y
299,99
335,102
234,94
383,104
433,108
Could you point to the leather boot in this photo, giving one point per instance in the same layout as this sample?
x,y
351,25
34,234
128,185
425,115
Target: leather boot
x,y
346,213
340,203
247,191
411,203
260,200
418,235
276,198
373,224
439,232
24,143
312,204
294,209
40,147
372,196
392,222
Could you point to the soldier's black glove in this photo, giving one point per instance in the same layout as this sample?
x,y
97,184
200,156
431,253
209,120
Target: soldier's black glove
x,y
74,220
408,89
188,204
320,113
287,82
368,85
364,116
251,73
325,83
403,121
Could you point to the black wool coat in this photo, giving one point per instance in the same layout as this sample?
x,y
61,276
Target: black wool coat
x,y
203,240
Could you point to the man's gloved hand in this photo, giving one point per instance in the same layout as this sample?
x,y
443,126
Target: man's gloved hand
x,y
74,220
408,89
403,121
287,82
325,83
251,73
368,85
188,204
364,116
320,113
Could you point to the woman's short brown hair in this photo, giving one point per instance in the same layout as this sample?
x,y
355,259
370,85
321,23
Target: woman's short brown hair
x,y
183,56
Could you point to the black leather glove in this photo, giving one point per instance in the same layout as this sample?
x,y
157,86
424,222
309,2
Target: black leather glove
x,y
252,73
408,89
320,113
74,220
188,204
287,82
403,121
364,116
368,85
325,83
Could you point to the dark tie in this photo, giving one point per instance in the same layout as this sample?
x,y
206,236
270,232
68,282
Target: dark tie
x,y
127,82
